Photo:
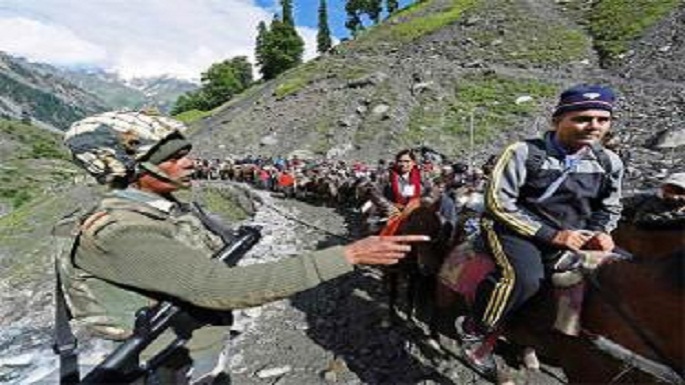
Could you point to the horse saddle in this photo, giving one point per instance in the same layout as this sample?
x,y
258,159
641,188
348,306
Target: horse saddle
x,y
467,265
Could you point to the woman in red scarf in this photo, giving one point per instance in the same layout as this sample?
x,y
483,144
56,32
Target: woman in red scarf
x,y
405,180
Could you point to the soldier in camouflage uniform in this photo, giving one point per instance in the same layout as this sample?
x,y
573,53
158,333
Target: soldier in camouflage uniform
x,y
140,245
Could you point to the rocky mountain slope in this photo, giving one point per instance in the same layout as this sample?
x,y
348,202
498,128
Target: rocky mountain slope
x,y
160,92
428,74
44,99
53,97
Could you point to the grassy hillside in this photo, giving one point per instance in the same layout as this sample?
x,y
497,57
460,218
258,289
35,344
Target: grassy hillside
x,y
616,24
494,102
33,162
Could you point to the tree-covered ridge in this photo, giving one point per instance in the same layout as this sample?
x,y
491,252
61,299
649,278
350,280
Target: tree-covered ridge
x,y
219,84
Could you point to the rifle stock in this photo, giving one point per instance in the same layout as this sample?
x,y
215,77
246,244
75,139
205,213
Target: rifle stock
x,y
123,364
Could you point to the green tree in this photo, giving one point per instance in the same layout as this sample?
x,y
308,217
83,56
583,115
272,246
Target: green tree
x,y
260,44
373,9
220,83
391,6
323,35
287,12
278,48
353,8
225,79
356,9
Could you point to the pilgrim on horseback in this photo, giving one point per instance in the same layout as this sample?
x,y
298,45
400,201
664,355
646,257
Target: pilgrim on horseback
x,y
545,196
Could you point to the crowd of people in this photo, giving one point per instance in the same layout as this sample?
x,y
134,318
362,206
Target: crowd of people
x,y
322,180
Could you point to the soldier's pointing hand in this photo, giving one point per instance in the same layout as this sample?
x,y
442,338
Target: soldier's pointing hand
x,y
383,250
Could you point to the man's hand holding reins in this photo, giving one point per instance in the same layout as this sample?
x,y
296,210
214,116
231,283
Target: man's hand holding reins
x,y
571,239
583,240
600,241
381,250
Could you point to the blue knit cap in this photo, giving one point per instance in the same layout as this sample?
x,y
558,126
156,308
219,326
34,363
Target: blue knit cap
x,y
585,97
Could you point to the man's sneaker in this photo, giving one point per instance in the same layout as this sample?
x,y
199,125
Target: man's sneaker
x,y
477,347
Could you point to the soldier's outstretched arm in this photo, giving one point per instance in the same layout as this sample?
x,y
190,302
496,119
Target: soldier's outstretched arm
x,y
147,257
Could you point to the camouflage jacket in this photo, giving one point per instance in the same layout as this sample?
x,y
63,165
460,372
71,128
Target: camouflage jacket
x,y
137,248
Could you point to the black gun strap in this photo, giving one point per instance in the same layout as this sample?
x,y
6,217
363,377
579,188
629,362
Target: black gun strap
x,y
64,341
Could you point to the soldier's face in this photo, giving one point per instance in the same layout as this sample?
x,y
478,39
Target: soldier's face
x,y
577,129
178,168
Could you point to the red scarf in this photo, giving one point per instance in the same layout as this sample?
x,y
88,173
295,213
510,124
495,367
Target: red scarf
x,y
414,179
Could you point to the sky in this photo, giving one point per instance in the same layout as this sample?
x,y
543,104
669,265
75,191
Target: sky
x,y
142,38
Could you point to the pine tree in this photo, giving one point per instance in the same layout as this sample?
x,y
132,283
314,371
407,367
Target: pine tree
x,y
323,35
279,47
353,8
287,12
260,44
373,9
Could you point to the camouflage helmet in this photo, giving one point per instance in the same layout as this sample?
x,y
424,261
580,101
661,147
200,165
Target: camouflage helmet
x,y
113,146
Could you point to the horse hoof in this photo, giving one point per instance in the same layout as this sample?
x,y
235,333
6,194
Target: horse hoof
x,y
433,344
530,359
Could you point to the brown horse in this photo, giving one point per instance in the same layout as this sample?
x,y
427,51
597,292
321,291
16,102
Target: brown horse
x,y
634,310
418,269
637,305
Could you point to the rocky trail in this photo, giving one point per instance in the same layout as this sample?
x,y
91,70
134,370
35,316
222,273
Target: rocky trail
x,y
336,333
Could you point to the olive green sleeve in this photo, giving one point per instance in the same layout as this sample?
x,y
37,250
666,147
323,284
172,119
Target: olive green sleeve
x,y
147,258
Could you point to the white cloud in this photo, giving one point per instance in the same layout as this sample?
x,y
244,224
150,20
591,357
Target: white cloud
x,y
309,37
135,38
28,39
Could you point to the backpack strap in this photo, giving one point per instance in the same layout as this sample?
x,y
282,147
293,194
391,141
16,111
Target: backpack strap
x,y
602,157
536,155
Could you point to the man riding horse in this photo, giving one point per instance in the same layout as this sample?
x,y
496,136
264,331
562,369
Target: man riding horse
x,y
560,192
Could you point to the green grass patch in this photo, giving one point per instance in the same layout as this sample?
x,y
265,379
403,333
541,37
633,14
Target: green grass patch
x,y
290,86
19,220
192,116
37,161
33,142
228,202
491,100
414,22
513,41
614,24
225,203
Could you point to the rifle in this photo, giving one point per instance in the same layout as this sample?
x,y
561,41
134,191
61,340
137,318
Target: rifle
x,y
122,365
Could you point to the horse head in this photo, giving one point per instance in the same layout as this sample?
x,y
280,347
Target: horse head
x,y
424,219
